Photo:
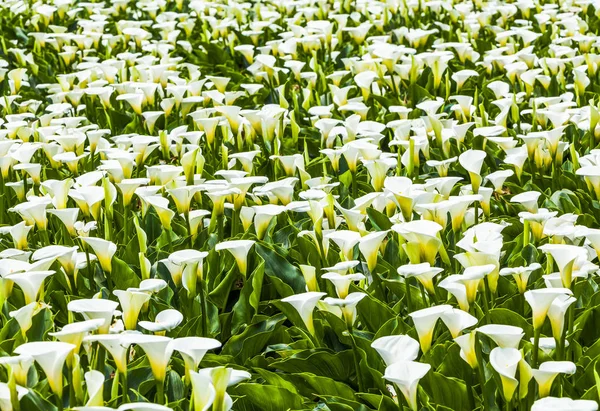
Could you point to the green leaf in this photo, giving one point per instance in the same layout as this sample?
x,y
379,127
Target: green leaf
x,y
507,317
447,391
122,275
277,266
338,366
259,397
253,339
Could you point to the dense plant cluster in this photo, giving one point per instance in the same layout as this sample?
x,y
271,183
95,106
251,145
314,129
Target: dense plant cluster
x,y
344,205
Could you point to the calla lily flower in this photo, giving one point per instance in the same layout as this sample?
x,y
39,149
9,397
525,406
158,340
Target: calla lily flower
x,y
457,320
310,277
165,321
548,371
505,362
406,375
51,357
565,256
24,315
239,249
345,240
95,309
94,380
342,282
347,305
131,303
74,333
423,272
466,343
425,321
193,349
5,395
556,314
369,246
203,391
117,345
305,304
521,275
540,301
104,250
30,283
505,336
158,351
472,160
396,348
422,244
564,404
19,366
220,378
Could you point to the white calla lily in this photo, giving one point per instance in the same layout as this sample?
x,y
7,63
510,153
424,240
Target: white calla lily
x,y
406,375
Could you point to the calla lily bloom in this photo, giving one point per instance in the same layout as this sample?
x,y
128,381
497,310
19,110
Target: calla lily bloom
x,y
5,395
193,349
158,351
104,250
521,275
505,336
165,321
204,392
457,320
51,357
117,345
565,257
19,366
369,246
94,380
239,249
95,309
472,160
305,304
220,378
423,272
548,371
466,343
540,301
425,321
406,375
30,283
396,348
422,244
74,333
131,303
347,305
556,314
342,282
505,362
564,404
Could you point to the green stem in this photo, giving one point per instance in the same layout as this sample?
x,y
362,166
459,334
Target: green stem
x,y
101,354
409,304
220,227
160,392
169,235
361,387
204,306
125,383
536,345
481,373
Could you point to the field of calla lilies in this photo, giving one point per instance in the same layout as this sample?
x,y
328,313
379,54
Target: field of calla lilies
x,y
333,205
